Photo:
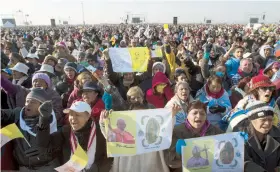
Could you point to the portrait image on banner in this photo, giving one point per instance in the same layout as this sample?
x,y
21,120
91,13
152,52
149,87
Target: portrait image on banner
x,y
138,131
218,153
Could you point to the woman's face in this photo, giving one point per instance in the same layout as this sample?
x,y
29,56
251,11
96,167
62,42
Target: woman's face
x,y
183,92
50,62
133,99
16,74
128,76
89,96
182,78
196,118
265,93
267,52
212,54
39,83
215,87
70,73
85,78
13,61
78,119
199,55
262,125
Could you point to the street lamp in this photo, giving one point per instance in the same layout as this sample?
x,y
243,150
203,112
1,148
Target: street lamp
x,y
83,12
26,15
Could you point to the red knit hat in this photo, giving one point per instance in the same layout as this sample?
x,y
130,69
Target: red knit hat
x,y
260,81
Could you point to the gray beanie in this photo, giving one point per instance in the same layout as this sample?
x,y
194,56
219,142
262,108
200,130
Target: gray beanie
x,y
38,94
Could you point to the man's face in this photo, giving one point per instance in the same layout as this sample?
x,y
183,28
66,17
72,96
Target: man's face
x,y
128,76
78,120
246,66
267,52
121,124
39,83
31,107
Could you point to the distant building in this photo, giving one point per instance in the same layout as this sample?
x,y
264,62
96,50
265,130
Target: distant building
x,y
8,22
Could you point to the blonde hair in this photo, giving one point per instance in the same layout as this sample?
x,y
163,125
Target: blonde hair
x,y
134,91
80,76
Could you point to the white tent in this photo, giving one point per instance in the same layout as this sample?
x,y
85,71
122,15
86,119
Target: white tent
x,y
8,25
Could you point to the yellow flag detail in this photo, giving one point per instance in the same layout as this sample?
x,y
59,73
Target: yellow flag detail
x,y
139,58
11,131
80,157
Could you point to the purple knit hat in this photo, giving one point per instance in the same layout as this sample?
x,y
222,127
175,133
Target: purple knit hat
x,y
43,76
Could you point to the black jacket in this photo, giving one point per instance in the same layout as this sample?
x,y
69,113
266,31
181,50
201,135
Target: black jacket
x,y
42,158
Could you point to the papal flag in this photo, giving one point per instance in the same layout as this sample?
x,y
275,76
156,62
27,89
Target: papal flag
x,y
77,162
129,59
9,133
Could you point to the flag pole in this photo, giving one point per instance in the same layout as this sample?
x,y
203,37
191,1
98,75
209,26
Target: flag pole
x,y
27,142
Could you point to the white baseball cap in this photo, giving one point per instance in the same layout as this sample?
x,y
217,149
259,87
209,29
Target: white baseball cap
x,y
20,67
79,106
46,68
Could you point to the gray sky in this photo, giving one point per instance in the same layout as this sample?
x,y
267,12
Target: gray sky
x,y
111,11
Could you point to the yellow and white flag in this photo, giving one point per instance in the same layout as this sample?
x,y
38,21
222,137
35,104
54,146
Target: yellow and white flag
x,y
9,133
77,162
129,59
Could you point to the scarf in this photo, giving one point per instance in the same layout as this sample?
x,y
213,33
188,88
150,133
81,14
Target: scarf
x,y
203,130
28,124
19,81
214,95
70,81
91,142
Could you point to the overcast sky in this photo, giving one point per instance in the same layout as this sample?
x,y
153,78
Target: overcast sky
x,y
111,11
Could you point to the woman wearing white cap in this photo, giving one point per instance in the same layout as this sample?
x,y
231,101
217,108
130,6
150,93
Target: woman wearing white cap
x,y
20,75
33,59
82,130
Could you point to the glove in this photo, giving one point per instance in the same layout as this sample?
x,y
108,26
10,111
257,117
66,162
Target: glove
x,y
217,109
46,109
179,145
108,101
46,115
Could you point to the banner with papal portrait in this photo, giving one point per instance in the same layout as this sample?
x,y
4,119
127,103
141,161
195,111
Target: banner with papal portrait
x,y
219,153
139,131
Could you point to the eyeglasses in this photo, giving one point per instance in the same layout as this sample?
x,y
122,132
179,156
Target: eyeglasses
x,y
267,88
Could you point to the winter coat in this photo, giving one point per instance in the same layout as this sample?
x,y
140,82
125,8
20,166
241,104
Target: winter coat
x,y
159,100
60,141
44,161
236,95
17,95
174,160
224,101
232,65
258,159
181,116
238,114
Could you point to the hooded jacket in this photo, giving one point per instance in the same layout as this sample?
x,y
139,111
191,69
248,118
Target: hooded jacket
x,y
159,100
261,59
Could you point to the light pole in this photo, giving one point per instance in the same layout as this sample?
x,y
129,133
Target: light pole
x,y
83,12
26,15
19,11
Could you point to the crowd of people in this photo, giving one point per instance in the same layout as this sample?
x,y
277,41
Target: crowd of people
x,y
215,78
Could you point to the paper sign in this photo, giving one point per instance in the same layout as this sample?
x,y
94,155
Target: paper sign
x,y
157,52
165,27
75,53
219,153
129,59
77,162
137,132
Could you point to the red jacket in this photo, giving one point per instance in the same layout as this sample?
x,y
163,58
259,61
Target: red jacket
x,y
95,110
159,100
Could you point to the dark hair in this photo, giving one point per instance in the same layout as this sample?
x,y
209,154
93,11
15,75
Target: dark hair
x,y
178,72
238,47
243,82
18,56
196,105
214,78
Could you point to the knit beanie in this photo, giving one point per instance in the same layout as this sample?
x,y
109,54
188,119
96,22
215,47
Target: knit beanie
x,y
258,109
160,65
43,76
71,65
38,94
